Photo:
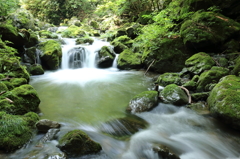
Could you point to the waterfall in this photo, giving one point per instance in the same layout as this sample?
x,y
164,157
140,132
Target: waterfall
x,y
80,56
115,61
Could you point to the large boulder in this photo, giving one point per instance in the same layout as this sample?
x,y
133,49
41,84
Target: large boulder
x,y
206,31
44,125
143,102
129,60
15,130
73,32
106,57
199,62
35,69
169,78
84,40
173,94
121,43
224,100
51,54
168,57
77,143
211,76
20,100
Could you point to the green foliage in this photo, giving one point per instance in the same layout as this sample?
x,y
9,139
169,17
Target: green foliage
x,y
8,6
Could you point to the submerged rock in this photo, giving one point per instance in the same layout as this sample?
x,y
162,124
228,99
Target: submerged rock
x,y
16,130
123,127
174,95
44,125
224,101
165,153
143,102
77,143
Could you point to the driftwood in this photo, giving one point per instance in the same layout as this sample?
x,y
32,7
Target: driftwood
x,y
2,92
149,66
5,79
189,96
10,101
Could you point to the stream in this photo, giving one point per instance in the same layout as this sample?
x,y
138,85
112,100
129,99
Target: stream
x,y
84,98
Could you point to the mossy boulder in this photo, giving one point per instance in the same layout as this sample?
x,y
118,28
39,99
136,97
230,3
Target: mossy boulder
x,y
94,24
47,34
121,43
30,55
143,102
164,56
133,30
106,57
20,100
224,100
23,19
211,76
74,21
199,62
206,31
12,34
16,82
129,60
200,96
169,78
3,87
77,143
190,85
123,127
84,40
36,69
11,67
73,32
173,94
33,39
15,130
51,54
236,69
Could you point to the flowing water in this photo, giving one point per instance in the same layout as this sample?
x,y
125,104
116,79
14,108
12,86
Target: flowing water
x,y
81,96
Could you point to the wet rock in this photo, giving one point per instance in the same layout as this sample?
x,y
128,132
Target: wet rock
x,y
200,96
36,69
200,107
174,95
44,125
16,130
77,143
106,57
205,31
169,78
47,34
20,100
129,60
190,85
51,54
224,101
50,135
123,127
30,55
84,40
143,102
165,153
199,62
211,76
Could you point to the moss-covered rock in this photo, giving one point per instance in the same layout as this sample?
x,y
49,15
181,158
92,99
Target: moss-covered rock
x,y
205,31
94,24
169,78
30,55
73,32
200,96
47,34
16,82
84,40
121,43
224,100
106,57
174,95
165,56
33,39
190,85
51,54
10,66
199,62
133,30
211,76
74,21
236,69
36,69
3,87
129,60
200,107
143,102
16,130
77,143
20,100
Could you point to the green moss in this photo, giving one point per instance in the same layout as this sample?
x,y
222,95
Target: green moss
x,y
236,70
16,82
36,69
47,34
84,40
52,54
146,94
73,32
199,62
3,87
129,60
224,100
211,76
77,143
25,99
15,131
169,78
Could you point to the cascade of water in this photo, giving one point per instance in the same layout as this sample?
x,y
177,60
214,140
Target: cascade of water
x,y
115,61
